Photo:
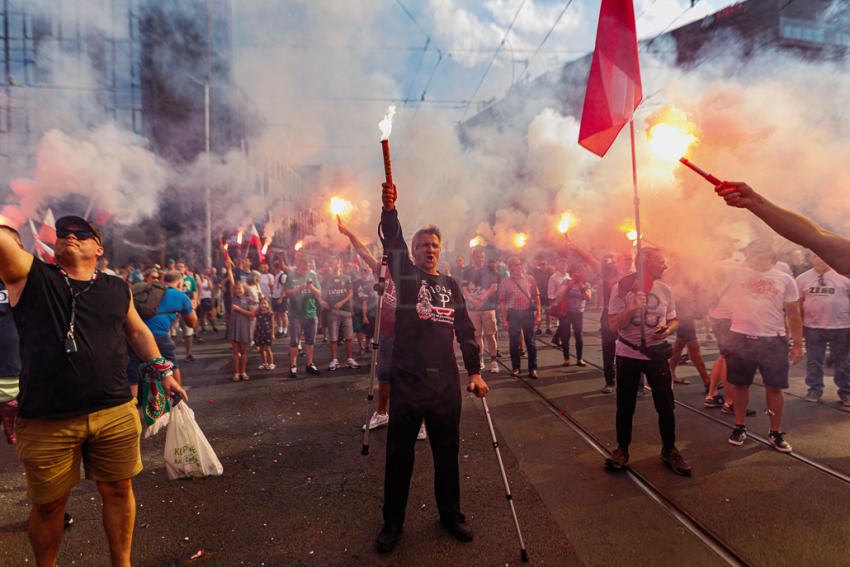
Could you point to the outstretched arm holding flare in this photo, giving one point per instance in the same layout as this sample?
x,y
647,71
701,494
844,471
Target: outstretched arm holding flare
x,y
832,247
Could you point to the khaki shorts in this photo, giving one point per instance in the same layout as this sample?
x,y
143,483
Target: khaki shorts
x,y
107,442
484,322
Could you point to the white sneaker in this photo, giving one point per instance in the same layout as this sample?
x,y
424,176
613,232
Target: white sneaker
x,y
494,367
270,366
378,420
422,433
333,365
280,330
352,363
262,366
482,367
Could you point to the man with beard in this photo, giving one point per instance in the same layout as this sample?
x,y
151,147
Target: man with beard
x,y
75,403
424,377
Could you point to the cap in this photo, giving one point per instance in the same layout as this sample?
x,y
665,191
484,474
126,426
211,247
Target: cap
x,y
70,220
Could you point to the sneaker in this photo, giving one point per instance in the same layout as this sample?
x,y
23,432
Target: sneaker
x,y
713,401
729,409
68,521
537,331
494,368
845,401
280,330
312,369
565,363
333,365
352,363
618,459
423,433
262,366
777,439
522,352
738,435
270,366
532,374
482,366
190,358
456,525
581,363
388,538
609,388
515,372
676,462
812,396
378,420
293,371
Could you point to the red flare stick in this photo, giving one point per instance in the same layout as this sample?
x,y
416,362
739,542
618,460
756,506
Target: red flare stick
x,y
706,175
388,170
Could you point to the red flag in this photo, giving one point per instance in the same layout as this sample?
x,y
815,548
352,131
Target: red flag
x,y
613,88
47,232
44,251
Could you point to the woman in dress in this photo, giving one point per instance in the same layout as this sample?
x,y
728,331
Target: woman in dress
x,y
239,324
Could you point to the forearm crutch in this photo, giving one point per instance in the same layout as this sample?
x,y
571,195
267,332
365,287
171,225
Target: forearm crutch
x,y
373,369
523,552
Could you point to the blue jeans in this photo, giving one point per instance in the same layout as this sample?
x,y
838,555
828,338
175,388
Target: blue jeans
x,y
816,340
521,322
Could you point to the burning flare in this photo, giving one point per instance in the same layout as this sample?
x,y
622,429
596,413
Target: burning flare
x,y
520,240
299,245
669,141
632,235
239,238
477,241
340,206
266,246
386,125
567,220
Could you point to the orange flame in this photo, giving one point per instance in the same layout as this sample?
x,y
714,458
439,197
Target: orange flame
x,y
477,241
299,245
670,133
567,220
632,235
386,125
340,206
266,246
520,240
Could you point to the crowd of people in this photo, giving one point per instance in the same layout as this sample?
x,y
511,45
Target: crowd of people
x,y
68,393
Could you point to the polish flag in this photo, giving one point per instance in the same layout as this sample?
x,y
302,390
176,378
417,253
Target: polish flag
x,y
44,251
254,240
47,232
613,87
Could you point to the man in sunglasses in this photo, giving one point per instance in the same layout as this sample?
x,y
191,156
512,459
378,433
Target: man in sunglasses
x,y
74,403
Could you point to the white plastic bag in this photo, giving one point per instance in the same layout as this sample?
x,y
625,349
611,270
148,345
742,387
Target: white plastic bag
x,y
187,451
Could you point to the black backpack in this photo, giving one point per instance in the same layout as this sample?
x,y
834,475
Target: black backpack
x,y
147,297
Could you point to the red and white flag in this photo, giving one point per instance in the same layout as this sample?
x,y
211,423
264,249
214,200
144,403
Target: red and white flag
x,y
47,232
613,87
44,251
254,240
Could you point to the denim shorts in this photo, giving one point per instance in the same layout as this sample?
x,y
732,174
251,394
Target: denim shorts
x,y
297,325
768,355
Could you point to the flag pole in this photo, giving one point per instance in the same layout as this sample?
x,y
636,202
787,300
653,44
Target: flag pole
x,y
639,255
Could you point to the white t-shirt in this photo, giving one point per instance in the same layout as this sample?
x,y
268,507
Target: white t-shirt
x,y
660,310
266,284
555,281
279,281
758,302
826,299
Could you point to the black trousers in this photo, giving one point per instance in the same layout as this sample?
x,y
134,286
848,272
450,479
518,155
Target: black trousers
x,y
442,419
658,377
521,321
574,320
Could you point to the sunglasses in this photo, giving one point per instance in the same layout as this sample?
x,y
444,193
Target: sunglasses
x,y
78,234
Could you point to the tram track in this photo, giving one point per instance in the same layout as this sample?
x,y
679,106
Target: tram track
x,y
691,523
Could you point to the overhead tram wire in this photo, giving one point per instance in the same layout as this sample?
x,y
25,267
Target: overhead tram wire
x,y
495,54
545,37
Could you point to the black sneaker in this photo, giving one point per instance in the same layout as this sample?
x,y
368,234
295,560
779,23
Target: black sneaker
x,y
676,462
68,520
714,401
456,525
293,371
190,358
312,369
777,439
388,538
738,435
618,459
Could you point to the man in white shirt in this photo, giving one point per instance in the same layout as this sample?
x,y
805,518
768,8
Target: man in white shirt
x,y
634,358
825,301
761,298
555,280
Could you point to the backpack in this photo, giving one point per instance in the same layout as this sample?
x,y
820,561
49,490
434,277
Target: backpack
x,y
147,297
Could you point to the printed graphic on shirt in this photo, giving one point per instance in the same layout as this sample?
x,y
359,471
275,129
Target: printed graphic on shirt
x,y
431,303
653,314
4,296
760,286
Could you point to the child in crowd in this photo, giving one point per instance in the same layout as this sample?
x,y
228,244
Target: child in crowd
x,y
264,334
239,325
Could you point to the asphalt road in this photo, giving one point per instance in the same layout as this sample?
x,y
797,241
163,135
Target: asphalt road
x,y
297,491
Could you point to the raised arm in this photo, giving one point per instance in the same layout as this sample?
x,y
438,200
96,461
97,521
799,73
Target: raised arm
x,y
832,247
358,246
15,264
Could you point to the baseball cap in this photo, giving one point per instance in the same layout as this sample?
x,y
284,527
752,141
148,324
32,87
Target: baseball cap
x,y
70,220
